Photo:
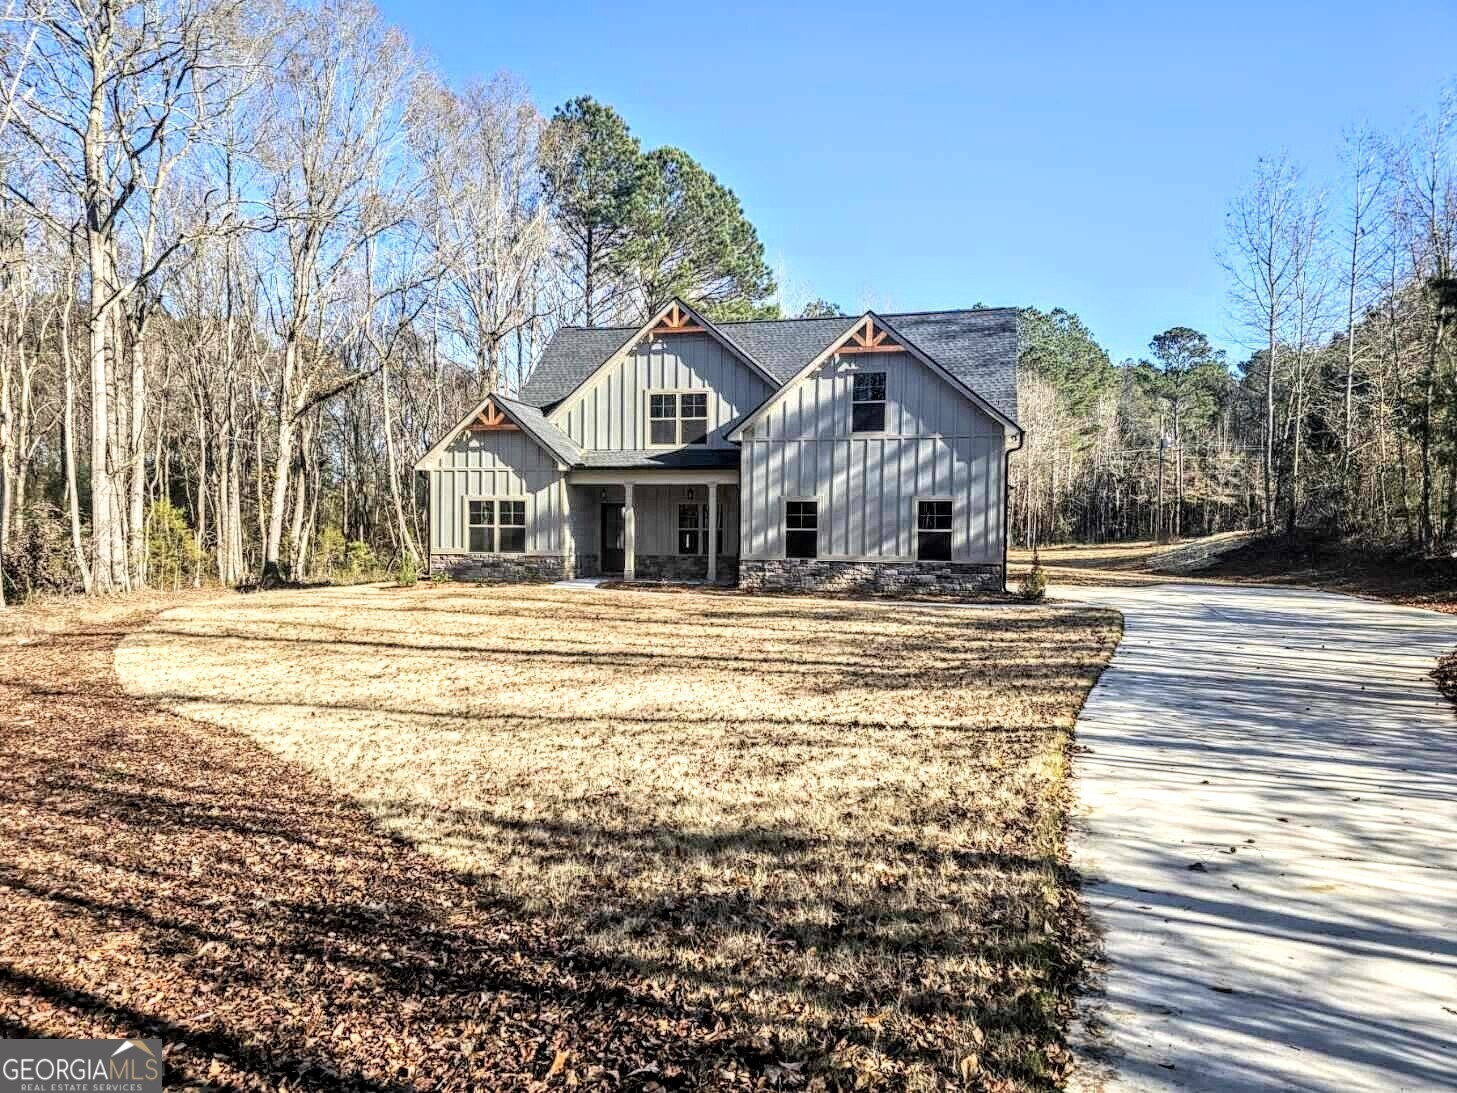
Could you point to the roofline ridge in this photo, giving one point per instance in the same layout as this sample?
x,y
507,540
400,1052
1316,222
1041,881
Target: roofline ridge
x,y
823,318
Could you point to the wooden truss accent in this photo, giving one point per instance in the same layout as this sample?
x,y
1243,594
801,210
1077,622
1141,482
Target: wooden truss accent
x,y
675,321
490,419
869,338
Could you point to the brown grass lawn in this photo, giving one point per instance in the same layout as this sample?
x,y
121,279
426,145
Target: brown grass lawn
x,y
793,842
1129,557
1143,561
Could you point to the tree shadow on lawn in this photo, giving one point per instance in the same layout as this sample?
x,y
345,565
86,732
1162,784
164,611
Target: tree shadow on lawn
x,y
169,878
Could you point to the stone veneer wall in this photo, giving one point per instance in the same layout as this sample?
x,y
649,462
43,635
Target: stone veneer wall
x,y
895,578
684,567
502,567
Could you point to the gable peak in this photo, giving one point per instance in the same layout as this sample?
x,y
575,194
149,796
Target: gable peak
x,y
675,319
868,336
490,419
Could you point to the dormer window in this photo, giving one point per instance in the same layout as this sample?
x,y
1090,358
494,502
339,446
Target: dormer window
x,y
867,413
677,418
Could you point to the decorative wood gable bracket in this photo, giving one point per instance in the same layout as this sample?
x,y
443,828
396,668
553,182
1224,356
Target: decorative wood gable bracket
x,y
675,321
491,420
869,338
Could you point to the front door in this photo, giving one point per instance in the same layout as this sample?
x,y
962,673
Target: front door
x,y
614,538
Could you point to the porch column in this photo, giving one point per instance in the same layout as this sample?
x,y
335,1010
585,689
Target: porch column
x,y
713,533
629,534
567,530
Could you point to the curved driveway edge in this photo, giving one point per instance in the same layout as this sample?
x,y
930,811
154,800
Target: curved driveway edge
x,y
1267,825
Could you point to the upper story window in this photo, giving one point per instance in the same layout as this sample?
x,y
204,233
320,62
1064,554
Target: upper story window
x,y
867,414
933,531
678,418
801,529
496,527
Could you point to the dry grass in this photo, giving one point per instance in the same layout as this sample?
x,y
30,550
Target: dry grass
x,y
1394,574
1119,557
1141,562
165,877
834,829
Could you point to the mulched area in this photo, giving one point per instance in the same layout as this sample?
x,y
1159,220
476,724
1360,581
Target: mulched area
x,y
166,878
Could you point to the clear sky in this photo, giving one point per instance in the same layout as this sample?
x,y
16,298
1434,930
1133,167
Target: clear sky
x,y
918,156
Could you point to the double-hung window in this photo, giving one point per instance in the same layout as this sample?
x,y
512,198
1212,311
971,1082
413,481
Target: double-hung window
x,y
496,527
693,529
690,537
867,408
678,418
801,529
933,531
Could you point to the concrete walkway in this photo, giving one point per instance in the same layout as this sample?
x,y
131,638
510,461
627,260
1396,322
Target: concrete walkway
x,y
1267,785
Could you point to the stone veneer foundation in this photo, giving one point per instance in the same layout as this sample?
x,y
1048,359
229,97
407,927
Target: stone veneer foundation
x,y
503,567
684,567
879,578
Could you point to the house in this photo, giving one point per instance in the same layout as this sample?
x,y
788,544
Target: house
x,y
860,453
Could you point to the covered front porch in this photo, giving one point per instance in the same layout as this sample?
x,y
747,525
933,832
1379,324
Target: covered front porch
x,y
656,524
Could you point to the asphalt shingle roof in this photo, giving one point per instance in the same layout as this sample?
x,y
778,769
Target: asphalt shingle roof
x,y
978,347
534,422
675,458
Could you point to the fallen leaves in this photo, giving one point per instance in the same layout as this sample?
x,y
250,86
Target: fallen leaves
x,y
834,864
1445,674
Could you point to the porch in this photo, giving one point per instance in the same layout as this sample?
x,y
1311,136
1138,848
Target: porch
x,y
656,524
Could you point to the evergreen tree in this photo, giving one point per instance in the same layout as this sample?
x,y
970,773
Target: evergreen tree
x,y
691,240
1058,348
592,172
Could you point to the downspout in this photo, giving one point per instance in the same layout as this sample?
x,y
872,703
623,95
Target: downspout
x,y
429,527
1007,499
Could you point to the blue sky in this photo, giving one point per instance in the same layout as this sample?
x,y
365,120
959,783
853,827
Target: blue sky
x,y
921,156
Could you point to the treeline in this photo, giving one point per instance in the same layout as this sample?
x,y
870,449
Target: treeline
x,y
254,258
1341,421
1138,450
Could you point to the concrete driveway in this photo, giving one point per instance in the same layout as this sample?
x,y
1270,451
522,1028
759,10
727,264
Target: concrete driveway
x,y
1267,816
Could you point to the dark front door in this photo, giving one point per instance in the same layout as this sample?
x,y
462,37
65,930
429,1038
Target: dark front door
x,y
614,538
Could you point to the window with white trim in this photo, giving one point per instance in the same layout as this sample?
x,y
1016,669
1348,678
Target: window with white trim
x,y
496,526
677,418
933,531
867,408
801,529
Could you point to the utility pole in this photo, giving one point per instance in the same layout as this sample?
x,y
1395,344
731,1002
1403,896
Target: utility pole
x,y
1179,490
1158,516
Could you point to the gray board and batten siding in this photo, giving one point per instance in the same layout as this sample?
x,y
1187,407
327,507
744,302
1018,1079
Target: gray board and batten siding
x,y
498,464
610,412
936,445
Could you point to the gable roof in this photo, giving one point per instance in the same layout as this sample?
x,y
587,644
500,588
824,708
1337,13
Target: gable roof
x,y
977,347
527,418
867,324
570,380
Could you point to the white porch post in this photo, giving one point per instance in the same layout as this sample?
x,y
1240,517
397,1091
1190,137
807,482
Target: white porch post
x,y
713,533
629,534
567,530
